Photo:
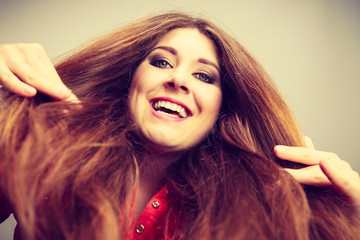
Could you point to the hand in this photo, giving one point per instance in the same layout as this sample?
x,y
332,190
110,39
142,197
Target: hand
x,y
26,69
325,169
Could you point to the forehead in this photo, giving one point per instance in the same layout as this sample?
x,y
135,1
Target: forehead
x,y
190,41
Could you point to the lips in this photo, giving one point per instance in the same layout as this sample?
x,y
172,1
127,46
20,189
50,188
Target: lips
x,y
170,107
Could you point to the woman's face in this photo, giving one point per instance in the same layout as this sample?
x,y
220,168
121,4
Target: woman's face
x,y
175,94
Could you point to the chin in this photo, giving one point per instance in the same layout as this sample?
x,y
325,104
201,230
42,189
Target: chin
x,y
167,145
160,141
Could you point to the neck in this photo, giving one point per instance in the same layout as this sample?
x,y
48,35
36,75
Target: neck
x,y
152,174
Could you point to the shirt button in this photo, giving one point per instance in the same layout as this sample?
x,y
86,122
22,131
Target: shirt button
x,y
155,204
140,229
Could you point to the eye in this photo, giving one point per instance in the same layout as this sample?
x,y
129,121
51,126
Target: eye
x,y
204,77
160,63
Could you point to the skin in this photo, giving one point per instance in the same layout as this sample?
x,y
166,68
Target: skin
x,y
182,68
26,69
324,169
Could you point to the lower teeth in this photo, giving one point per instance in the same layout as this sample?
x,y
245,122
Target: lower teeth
x,y
170,113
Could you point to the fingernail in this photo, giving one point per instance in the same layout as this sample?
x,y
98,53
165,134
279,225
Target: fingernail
x,y
279,149
29,91
64,93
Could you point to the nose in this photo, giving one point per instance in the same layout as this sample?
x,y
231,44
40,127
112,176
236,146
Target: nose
x,y
178,81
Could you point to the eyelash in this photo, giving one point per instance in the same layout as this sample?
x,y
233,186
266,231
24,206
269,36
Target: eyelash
x,y
157,61
209,79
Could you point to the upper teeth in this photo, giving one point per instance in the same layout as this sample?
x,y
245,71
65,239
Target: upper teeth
x,y
171,106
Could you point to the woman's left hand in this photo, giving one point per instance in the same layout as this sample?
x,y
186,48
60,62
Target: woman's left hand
x,y
325,169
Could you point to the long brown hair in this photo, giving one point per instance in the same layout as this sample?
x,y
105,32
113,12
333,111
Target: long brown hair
x,y
69,170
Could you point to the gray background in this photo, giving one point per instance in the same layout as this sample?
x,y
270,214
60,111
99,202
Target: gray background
x,y
311,48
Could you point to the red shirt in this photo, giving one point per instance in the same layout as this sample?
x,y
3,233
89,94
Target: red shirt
x,y
150,225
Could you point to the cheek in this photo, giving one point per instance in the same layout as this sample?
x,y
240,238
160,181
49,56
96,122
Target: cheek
x,y
136,84
135,93
218,101
211,101
138,88
145,79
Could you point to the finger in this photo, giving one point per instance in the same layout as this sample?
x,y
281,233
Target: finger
x,y
343,177
10,82
299,154
52,87
30,64
53,80
311,175
71,98
308,142
41,63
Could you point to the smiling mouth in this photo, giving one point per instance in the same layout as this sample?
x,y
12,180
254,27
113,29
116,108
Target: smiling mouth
x,y
170,108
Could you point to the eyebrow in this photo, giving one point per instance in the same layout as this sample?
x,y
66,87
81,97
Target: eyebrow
x,y
200,60
205,61
169,49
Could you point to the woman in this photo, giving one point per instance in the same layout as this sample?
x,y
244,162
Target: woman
x,y
168,101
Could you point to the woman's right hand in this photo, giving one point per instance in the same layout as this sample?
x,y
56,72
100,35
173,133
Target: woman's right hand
x,y
26,69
